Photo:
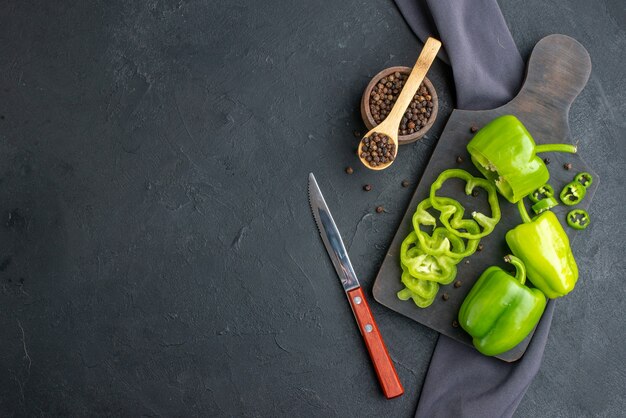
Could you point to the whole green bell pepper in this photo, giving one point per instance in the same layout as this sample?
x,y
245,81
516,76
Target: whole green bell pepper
x,y
505,153
500,311
543,246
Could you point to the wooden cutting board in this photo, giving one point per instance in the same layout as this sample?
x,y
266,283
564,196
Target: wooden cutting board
x,y
557,71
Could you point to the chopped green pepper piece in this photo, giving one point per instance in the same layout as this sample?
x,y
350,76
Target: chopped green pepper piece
x,y
441,240
544,205
573,193
423,292
506,154
500,311
578,219
419,264
450,208
541,193
584,178
543,246
420,301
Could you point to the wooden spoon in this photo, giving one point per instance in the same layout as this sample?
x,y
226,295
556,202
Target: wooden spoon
x,y
390,125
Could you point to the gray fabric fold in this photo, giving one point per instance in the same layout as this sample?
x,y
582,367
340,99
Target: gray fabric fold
x,y
488,72
488,69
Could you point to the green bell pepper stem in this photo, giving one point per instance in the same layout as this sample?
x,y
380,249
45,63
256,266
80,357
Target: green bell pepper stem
x,y
544,205
578,219
573,193
453,209
523,212
520,268
572,149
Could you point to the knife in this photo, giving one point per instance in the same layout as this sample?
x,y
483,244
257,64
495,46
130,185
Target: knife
x,y
385,371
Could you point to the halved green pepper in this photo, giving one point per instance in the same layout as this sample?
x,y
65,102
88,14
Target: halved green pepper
x,y
543,246
500,311
505,153
450,208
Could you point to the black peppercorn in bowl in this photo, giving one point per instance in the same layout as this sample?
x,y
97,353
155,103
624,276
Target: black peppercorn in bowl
x,y
380,95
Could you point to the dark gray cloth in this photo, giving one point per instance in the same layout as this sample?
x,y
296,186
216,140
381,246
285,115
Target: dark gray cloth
x,y
488,69
488,72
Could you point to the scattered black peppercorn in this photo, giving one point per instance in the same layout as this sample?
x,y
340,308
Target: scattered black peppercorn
x,y
2,117
349,170
474,193
356,134
480,247
405,183
546,161
459,159
567,166
367,187
377,149
379,209
455,323
474,129
458,284
384,96
445,296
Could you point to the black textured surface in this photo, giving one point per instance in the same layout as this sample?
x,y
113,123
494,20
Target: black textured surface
x,y
158,255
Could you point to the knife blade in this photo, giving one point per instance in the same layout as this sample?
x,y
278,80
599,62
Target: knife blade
x,y
385,370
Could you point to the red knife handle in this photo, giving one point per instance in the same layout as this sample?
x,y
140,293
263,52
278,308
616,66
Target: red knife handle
x,y
383,365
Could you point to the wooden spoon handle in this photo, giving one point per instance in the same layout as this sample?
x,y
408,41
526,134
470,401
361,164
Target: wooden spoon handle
x,y
424,61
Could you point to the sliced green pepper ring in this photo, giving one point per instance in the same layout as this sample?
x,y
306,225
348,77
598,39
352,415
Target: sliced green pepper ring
x,y
451,208
426,289
578,219
573,193
420,301
440,269
584,178
442,241
541,193
544,205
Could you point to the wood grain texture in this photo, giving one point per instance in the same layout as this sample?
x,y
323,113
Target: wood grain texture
x,y
385,370
557,71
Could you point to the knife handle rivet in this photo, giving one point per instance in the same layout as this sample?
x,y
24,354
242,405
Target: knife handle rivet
x,y
357,300
368,328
